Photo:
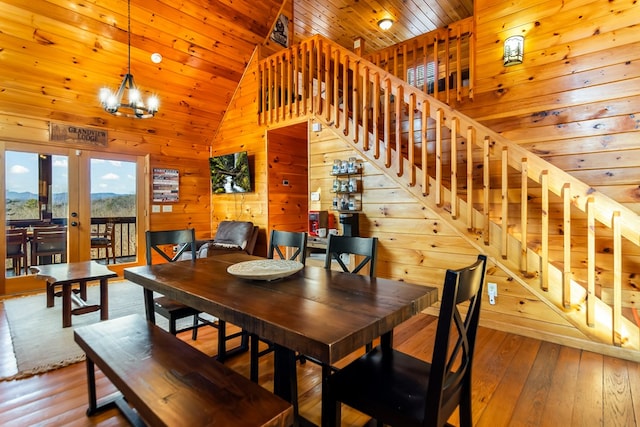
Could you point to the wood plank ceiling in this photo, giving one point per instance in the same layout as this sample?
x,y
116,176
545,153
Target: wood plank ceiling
x,y
57,54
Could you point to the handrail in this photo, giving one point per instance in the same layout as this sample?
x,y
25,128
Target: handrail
x,y
368,105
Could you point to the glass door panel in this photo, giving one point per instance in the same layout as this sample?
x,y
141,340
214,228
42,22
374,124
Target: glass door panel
x,y
113,210
37,207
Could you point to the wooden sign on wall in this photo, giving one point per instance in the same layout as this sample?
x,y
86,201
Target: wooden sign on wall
x,y
81,135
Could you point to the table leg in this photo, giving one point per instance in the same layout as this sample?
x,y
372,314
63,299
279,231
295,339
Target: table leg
x,y
91,383
66,305
83,289
104,298
148,306
285,381
50,294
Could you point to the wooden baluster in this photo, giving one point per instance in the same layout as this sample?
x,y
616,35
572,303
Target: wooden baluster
x,y
591,262
566,270
355,105
447,69
486,187
296,80
336,89
316,67
436,67
411,143
544,183
366,102
387,117
617,279
345,96
399,104
472,63
471,142
524,217
261,91
425,147
438,195
376,115
458,65
454,167
305,77
425,57
504,244
328,90
272,91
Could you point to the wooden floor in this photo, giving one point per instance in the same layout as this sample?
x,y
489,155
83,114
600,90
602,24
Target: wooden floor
x,y
516,381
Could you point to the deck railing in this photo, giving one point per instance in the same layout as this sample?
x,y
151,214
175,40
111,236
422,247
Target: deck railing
x,y
449,160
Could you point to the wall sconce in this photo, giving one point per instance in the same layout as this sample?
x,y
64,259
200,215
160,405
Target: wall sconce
x,y
385,23
513,50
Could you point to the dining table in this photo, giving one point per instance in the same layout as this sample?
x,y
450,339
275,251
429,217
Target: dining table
x,y
320,313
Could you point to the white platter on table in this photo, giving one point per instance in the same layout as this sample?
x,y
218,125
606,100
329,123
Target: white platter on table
x,y
265,269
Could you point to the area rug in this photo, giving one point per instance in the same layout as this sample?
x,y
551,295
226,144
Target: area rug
x,y
41,344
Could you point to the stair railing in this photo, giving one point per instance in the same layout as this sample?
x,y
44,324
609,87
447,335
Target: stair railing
x,y
414,137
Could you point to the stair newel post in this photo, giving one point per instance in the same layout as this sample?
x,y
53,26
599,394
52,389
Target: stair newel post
x,y
566,269
486,187
504,244
471,143
524,218
454,167
544,183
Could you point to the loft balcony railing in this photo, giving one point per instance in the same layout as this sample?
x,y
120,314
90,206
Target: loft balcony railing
x,y
527,211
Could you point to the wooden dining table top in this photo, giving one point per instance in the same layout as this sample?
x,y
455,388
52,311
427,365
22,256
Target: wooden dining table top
x,y
321,313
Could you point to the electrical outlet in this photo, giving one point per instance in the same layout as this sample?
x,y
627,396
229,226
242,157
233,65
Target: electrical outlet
x,y
492,290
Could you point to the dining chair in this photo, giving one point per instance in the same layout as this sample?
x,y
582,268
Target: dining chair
x,y
291,245
179,241
46,243
397,389
17,249
105,241
365,247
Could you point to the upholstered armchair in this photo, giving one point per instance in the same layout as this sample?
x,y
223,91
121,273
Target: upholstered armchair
x,y
231,236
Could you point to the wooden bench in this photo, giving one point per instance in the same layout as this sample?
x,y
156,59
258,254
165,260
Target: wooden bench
x,y
168,382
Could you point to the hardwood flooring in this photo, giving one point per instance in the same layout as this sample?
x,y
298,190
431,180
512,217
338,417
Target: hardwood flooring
x,y
516,381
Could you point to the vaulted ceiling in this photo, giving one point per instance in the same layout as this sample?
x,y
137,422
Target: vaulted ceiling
x,y
57,54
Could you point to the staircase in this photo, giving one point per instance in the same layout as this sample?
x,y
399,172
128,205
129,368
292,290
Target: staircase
x,y
535,220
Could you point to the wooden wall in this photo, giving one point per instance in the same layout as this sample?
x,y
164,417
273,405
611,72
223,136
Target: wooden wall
x,y
574,101
288,176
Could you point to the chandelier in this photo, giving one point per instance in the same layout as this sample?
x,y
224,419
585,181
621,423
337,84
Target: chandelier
x,y
134,107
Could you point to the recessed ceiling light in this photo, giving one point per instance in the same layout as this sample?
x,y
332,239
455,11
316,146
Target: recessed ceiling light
x,y
156,58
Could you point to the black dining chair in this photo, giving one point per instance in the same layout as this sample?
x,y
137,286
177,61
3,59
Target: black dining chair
x,y
400,390
280,243
184,242
366,247
180,241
